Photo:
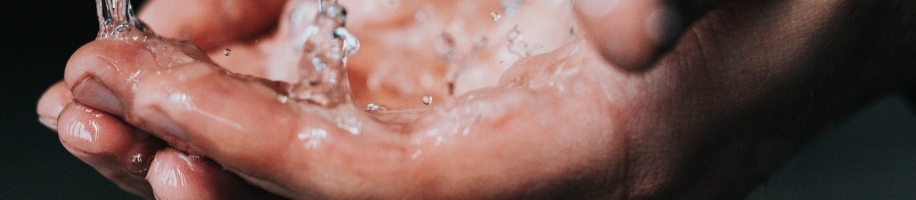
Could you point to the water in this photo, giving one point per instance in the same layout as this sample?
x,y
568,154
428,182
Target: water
x,y
445,47
517,44
372,107
321,42
495,16
428,99
510,7
116,17
324,45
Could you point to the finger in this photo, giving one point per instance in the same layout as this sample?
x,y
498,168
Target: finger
x,y
125,62
52,102
109,75
117,151
212,23
176,175
633,33
189,106
301,151
246,126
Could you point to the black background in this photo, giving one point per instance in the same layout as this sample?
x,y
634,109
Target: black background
x,y
871,155
38,38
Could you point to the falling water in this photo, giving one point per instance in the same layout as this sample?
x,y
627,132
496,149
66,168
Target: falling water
x,y
116,17
324,45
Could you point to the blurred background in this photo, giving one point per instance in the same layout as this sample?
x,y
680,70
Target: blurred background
x,y
869,155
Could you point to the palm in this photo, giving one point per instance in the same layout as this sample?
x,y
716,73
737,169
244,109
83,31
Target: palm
x,y
563,122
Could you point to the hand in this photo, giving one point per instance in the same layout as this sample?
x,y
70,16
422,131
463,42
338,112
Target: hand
x,y
705,114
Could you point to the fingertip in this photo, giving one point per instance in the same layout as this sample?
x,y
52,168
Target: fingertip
x,y
51,103
629,33
177,175
117,151
102,57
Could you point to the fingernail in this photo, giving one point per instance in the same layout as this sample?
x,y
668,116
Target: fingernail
x,y
664,26
96,95
48,122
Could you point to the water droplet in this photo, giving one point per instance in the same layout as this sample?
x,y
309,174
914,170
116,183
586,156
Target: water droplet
x,y
318,64
481,42
312,137
350,43
495,16
510,6
335,11
371,107
227,51
427,99
445,46
517,44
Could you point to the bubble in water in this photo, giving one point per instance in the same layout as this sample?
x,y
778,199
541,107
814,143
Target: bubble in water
x,y
495,16
517,44
428,99
445,46
510,6
227,51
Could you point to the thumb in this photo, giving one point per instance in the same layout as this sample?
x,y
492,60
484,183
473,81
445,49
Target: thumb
x,y
632,33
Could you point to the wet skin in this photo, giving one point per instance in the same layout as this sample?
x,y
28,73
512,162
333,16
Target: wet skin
x,y
745,85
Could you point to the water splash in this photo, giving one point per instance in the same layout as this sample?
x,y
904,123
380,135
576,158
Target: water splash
x,y
117,22
116,18
323,45
517,44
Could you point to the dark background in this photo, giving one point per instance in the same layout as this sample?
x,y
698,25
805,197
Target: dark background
x,y
870,155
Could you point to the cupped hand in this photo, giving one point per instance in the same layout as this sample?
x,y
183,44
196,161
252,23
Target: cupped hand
x,y
744,86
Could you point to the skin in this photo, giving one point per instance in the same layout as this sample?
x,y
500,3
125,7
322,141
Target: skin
x,y
742,88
